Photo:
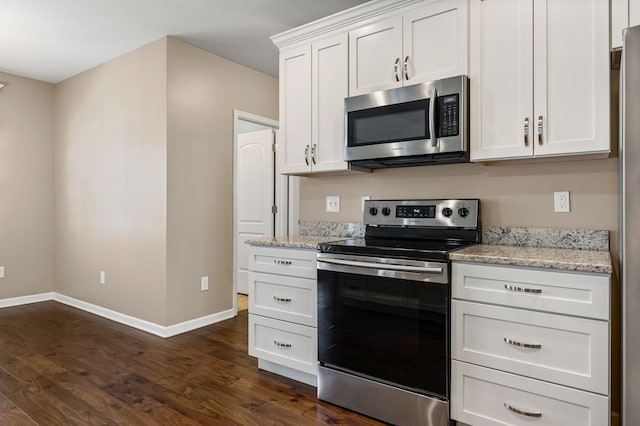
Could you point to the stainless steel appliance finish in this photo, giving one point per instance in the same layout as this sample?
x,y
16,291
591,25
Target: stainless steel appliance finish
x,y
629,155
384,402
384,310
434,130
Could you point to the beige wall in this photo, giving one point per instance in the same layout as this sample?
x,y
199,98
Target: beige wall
x,y
511,194
110,184
26,186
203,90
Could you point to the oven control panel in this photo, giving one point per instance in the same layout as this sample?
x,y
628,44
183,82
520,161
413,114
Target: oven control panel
x,y
458,213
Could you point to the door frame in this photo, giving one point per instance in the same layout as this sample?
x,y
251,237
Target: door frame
x,y
287,192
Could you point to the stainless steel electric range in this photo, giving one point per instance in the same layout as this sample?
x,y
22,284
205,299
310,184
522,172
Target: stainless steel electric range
x,y
384,310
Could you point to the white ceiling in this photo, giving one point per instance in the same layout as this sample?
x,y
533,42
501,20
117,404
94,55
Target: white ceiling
x,y
53,40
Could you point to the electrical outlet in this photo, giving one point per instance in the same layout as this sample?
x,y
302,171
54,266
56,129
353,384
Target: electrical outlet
x,y
561,202
103,277
333,204
363,199
1,272
204,283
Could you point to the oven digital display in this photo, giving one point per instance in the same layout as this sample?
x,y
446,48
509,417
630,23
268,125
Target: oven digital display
x,y
428,212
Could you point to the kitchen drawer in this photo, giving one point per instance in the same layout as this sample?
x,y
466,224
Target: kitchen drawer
x,y
568,293
292,345
281,297
481,396
283,261
573,351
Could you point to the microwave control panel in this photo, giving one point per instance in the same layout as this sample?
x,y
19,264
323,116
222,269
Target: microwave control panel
x,y
449,117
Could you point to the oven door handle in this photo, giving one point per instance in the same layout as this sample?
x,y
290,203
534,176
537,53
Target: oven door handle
x,y
375,265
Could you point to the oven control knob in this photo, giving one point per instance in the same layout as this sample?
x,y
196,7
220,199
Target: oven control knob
x,y
447,212
386,211
373,211
463,212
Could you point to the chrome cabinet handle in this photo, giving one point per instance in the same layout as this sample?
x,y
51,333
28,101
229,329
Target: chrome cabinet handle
x,y
521,412
282,345
432,117
313,153
539,130
522,345
281,262
406,68
306,154
526,131
523,289
395,69
281,299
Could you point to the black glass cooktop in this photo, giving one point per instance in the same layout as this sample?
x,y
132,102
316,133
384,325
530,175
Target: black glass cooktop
x,y
396,248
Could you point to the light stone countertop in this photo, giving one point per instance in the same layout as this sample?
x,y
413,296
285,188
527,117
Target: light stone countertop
x,y
538,257
309,242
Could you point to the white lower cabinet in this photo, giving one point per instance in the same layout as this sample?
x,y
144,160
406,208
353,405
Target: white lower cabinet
x,y
482,396
282,311
529,346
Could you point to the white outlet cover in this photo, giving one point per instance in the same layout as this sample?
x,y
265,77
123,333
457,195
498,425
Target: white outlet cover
x,y
1,272
204,283
333,204
561,202
103,277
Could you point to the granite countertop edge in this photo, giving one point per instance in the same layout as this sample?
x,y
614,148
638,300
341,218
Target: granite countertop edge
x,y
538,257
309,242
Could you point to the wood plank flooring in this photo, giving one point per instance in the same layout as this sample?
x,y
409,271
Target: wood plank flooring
x,y
63,366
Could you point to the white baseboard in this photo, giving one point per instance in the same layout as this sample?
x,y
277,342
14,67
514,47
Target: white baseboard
x,y
25,300
140,324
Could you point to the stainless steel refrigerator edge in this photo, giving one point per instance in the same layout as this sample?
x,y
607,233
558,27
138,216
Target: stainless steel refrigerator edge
x,y
629,228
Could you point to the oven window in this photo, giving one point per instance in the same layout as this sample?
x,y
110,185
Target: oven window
x,y
390,330
399,122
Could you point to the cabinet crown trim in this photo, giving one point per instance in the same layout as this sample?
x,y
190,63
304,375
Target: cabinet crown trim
x,y
339,20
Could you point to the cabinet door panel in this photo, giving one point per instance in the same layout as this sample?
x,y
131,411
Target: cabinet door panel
x,y
295,109
374,50
571,59
501,78
329,88
435,41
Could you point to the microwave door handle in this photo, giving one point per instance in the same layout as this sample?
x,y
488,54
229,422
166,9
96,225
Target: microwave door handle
x,y
432,117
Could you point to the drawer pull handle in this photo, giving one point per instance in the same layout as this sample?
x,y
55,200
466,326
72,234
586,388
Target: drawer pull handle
x,y
281,262
281,299
522,289
522,345
521,412
282,345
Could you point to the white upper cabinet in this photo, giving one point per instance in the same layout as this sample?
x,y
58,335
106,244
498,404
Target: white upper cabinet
x,y
539,77
421,45
295,110
313,85
329,88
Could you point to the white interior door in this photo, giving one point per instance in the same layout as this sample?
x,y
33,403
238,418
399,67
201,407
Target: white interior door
x,y
255,196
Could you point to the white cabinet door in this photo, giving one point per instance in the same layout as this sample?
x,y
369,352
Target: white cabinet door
x,y
539,74
501,78
571,77
329,88
295,110
435,42
375,57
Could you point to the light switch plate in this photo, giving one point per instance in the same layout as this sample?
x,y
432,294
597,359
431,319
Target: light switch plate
x,y
204,283
333,204
1,272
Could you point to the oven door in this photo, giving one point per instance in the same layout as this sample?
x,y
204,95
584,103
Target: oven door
x,y
386,320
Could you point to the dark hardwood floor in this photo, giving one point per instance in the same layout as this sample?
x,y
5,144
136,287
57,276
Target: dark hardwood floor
x,y
63,366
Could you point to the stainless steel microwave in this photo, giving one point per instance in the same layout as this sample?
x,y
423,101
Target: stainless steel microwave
x,y
427,123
